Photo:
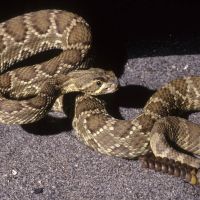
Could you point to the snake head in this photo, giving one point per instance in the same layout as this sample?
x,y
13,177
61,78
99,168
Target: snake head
x,y
99,81
93,81
102,85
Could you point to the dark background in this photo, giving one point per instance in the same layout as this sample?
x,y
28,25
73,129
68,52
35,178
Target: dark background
x,y
120,25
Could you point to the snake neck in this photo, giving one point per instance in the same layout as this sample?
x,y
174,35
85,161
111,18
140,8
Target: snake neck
x,y
102,132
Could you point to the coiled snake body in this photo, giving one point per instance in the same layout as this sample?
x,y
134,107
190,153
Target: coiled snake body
x,y
28,93
153,130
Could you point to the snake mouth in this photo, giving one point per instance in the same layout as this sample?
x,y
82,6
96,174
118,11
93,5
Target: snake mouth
x,y
111,89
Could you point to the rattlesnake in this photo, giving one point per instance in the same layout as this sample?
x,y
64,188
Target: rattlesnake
x,y
153,130
28,93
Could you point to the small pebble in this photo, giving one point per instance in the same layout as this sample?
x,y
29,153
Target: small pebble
x,y
38,190
14,172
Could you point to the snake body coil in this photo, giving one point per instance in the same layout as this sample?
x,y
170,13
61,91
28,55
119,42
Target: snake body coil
x,y
154,130
28,93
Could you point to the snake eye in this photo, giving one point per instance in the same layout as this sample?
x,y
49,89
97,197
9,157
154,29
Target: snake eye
x,y
99,83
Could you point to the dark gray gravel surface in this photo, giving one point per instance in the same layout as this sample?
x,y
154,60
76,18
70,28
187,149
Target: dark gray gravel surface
x,y
58,166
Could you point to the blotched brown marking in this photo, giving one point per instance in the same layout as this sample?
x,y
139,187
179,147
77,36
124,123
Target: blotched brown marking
x,y
16,28
10,105
41,21
165,95
121,150
63,20
5,81
95,122
138,141
50,68
25,74
50,89
37,102
88,105
2,45
146,122
105,139
195,83
180,85
80,34
72,57
122,128
159,109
